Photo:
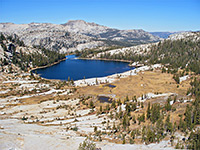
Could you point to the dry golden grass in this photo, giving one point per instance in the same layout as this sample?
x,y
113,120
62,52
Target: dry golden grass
x,y
36,99
152,82
143,83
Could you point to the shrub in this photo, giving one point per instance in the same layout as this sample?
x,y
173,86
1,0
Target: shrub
x,y
75,129
87,145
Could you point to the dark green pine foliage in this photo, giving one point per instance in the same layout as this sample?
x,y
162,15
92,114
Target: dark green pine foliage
x,y
150,138
159,129
148,111
125,121
194,140
195,109
182,125
141,118
168,107
176,54
168,124
155,112
196,114
188,117
23,60
2,37
176,78
192,116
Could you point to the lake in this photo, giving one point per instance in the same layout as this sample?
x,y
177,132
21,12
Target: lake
x,y
77,69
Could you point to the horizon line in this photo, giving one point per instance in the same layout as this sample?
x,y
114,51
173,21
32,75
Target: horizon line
x,y
197,30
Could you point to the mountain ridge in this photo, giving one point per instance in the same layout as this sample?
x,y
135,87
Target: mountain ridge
x,y
66,37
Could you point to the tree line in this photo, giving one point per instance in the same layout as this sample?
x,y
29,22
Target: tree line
x,y
175,54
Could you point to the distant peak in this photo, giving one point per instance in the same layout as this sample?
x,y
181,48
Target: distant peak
x,y
7,23
33,23
71,22
79,22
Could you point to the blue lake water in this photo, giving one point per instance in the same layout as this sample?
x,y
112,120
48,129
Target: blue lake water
x,y
78,69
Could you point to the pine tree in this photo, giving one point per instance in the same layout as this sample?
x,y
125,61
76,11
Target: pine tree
x,y
125,121
168,124
134,107
91,104
194,140
141,118
150,138
87,144
126,99
119,102
144,133
101,110
128,109
197,114
155,113
97,82
133,119
148,111
124,140
113,104
114,127
168,107
95,128
188,116
159,129
133,134
142,104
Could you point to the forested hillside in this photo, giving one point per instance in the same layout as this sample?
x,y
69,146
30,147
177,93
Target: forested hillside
x,y
15,54
181,53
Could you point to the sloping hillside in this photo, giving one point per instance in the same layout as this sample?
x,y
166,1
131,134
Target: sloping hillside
x,y
180,50
15,55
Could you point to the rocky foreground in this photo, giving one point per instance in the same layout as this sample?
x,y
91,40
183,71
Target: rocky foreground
x,y
46,114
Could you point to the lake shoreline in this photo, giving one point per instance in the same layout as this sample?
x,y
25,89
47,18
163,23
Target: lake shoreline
x,y
115,60
99,68
100,80
112,78
46,66
104,59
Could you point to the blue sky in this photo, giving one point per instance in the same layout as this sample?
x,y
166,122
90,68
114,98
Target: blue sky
x,y
150,15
